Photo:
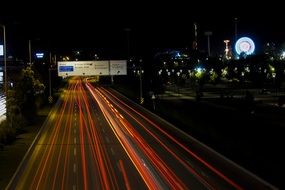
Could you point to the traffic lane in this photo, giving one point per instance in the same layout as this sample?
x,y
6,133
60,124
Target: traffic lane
x,y
164,174
241,176
40,154
165,153
105,150
123,168
39,161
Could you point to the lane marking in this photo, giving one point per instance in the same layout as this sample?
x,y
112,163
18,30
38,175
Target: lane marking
x,y
74,140
74,151
107,139
74,168
125,177
74,131
112,151
74,187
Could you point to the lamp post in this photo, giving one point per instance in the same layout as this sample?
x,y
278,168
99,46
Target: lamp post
x,y
50,69
141,94
140,78
5,61
49,74
30,52
236,20
208,34
195,43
30,49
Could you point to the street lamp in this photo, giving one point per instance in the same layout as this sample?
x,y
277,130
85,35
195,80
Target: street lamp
x,y
5,61
141,90
208,34
30,52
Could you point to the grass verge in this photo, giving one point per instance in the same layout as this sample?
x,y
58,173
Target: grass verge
x,y
12,154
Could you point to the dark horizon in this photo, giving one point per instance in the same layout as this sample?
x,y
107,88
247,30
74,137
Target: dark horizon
x,y
159,26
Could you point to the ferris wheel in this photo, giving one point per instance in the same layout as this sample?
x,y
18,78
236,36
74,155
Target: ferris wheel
x,y
246,45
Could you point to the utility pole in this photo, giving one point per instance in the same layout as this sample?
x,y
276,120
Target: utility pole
x,y
195,43
30,52
49,74
50,98
236,29
141,93
208,34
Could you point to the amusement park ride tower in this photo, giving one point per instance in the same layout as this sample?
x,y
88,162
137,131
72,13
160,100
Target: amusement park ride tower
x,y
228,51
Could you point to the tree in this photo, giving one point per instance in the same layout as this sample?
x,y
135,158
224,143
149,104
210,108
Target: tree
x,y
14,114
26,90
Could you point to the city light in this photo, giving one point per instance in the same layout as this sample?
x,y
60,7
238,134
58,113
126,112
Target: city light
x,y
1,50
245,45
39,55
282,55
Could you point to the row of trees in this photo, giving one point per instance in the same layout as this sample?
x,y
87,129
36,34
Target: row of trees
x,y
22,103
260,70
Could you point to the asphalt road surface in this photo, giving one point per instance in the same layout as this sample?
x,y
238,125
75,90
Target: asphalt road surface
x,y
95,138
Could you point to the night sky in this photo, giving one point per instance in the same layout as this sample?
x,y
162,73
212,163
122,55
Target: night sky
x,y
158,25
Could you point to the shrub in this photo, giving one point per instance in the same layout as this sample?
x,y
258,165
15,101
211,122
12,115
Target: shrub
x,y
7,134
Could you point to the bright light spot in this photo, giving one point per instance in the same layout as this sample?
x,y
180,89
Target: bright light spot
x,y
273,75
211,71
39,55
225,72
282,55
245,45
1,50
199,69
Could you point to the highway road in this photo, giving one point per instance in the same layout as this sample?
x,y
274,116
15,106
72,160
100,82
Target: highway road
x,y
95,138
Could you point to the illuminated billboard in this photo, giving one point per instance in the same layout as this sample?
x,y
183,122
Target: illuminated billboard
x,y
92,68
